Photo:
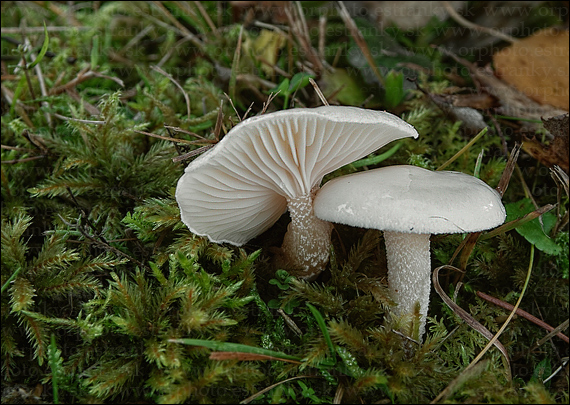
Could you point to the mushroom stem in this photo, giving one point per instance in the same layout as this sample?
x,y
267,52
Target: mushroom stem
x,y
307,241
409,276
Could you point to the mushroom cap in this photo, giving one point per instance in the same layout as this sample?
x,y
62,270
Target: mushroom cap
x,y
238,189
410,199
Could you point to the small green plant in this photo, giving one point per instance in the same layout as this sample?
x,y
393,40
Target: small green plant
x,y
282,280
394,89
288,88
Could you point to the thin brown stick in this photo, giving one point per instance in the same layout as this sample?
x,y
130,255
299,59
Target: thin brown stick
x,y
207,18
233,106
359,39
555,331
263,391
90,108
11,162
169,76
192,153
319,92
518,222
30,88
508,171
247,111
181,30
83,75
522,313
135,40
299,29
167,138
219,121
43,89
247,357
63,117
172,19
472,322
39,30
8,147
100,241
273,66
178,129
322,29
468,24
268,102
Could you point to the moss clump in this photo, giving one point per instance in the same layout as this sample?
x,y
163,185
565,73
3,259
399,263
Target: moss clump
x,y
101,282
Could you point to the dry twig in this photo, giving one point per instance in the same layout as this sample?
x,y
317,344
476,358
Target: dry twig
x,y
475,27
521,313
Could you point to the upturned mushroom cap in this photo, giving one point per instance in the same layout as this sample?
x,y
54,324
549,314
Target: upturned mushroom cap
x,y
410,199
239,189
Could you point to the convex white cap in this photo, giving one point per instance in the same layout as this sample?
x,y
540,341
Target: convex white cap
x,y
410,199
409,203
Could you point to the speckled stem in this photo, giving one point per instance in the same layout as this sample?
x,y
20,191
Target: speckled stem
x,y
307,241
409,276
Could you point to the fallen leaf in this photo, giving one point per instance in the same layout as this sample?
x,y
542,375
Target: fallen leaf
x,y
472,119
481,101
537,66
344,86
533,231
557,126
266,48
556,153
512,102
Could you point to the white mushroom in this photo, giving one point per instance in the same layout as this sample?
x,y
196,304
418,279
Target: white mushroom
x,y
274,162
409,203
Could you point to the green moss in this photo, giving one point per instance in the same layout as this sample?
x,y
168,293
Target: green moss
x,y
100,277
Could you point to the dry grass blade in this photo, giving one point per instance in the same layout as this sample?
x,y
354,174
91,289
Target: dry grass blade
x,y
560,176
219,121
167,138
459,380
268,102
338,394
63,117
509,168
28,159
206,17
300,31
177,129
235,67
181,28
475,27
267,389
247,356
469,245
521,313
247,111
359,39
518,222
555,332
85,74
192,153
319,92
465,148
234,107
494,339
472,322
7,147
186,98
